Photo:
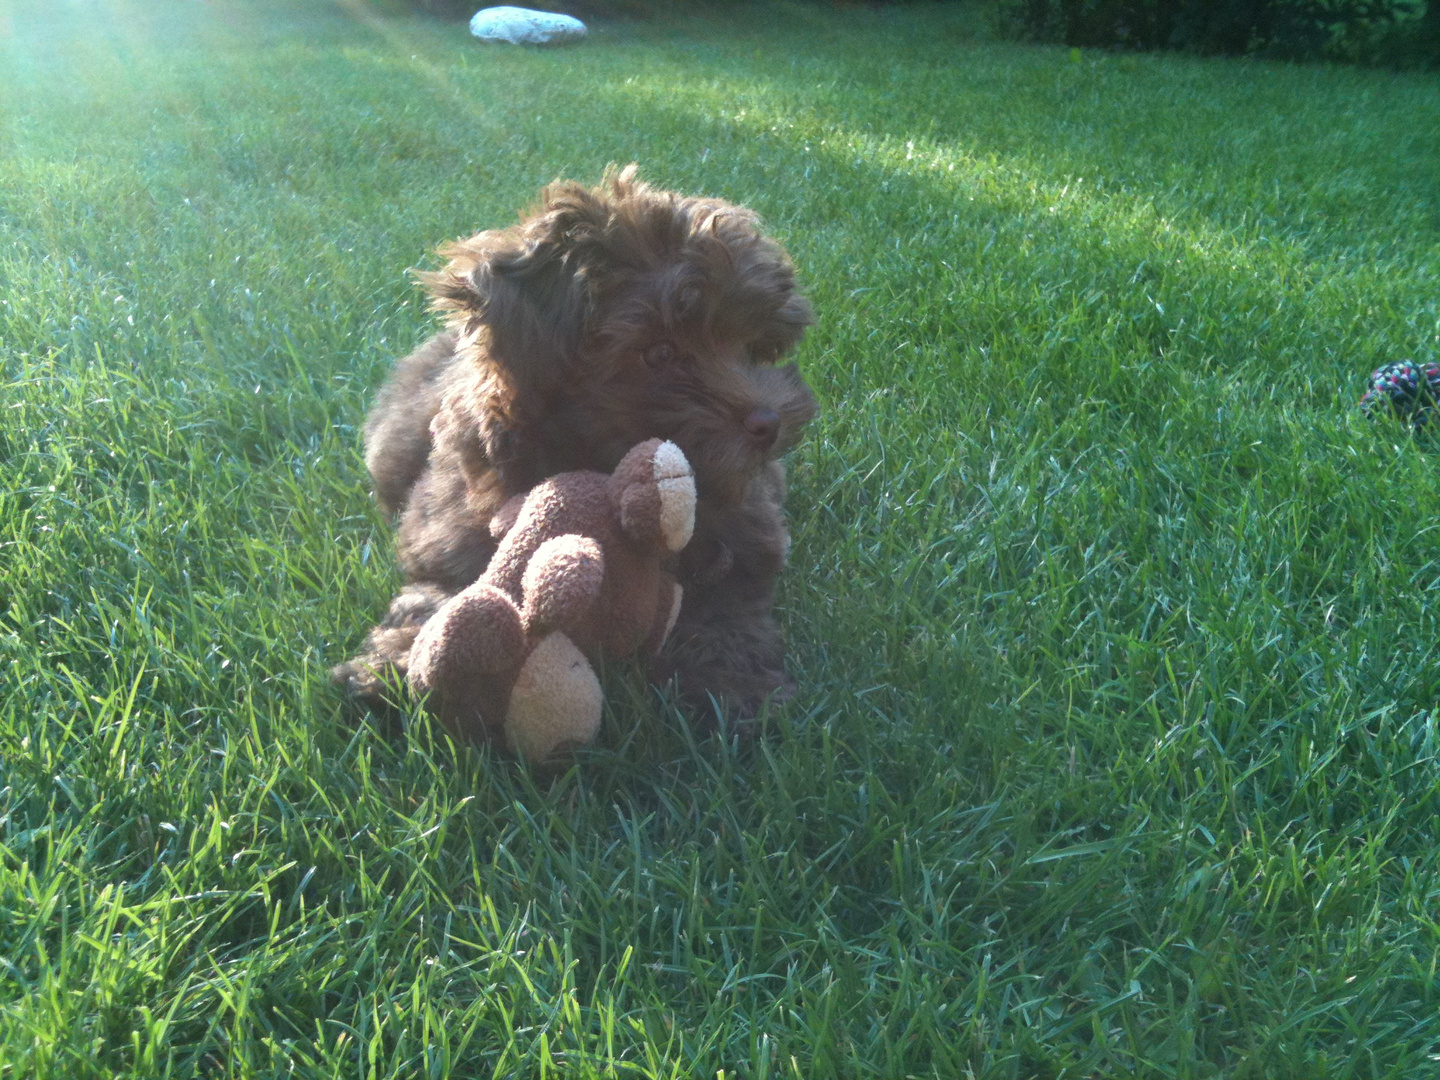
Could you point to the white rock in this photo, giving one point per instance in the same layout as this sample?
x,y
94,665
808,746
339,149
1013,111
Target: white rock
x,y
522,26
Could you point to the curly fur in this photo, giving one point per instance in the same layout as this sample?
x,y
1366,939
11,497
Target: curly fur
x,y
607,316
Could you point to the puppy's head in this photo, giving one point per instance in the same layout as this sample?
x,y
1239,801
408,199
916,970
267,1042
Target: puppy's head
x,y
619,313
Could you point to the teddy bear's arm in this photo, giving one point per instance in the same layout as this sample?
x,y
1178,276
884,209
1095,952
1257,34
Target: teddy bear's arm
x,y
561,583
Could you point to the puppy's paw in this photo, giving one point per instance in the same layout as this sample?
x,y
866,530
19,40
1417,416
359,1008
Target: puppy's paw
x,y
736,697
358,678
762,689
738,713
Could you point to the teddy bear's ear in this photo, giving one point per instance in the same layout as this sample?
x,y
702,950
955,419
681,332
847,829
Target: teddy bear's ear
x,y
655,488
529,285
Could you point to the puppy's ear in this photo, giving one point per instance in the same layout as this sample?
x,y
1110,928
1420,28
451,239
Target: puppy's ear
x,y
783,330
529,284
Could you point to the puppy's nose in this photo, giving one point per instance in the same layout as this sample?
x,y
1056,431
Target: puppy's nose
x,y
763,427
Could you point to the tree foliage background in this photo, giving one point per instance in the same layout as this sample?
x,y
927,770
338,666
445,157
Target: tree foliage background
x,y
1395,32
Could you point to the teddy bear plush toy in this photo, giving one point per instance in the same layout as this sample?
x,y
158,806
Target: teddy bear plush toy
x,y
577,574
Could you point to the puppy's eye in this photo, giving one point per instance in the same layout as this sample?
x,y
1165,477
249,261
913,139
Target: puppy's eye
x,y
660,355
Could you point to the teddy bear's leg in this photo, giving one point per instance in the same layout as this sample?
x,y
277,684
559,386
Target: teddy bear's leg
x,y
555,703
464,658
562,581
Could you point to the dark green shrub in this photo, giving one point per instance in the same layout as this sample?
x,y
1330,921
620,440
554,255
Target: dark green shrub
x,y
1384,32
1369,31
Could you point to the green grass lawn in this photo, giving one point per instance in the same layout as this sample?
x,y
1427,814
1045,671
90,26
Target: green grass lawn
x,y
1118,748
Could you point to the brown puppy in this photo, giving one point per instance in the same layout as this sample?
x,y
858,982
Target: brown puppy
x,y
606,317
